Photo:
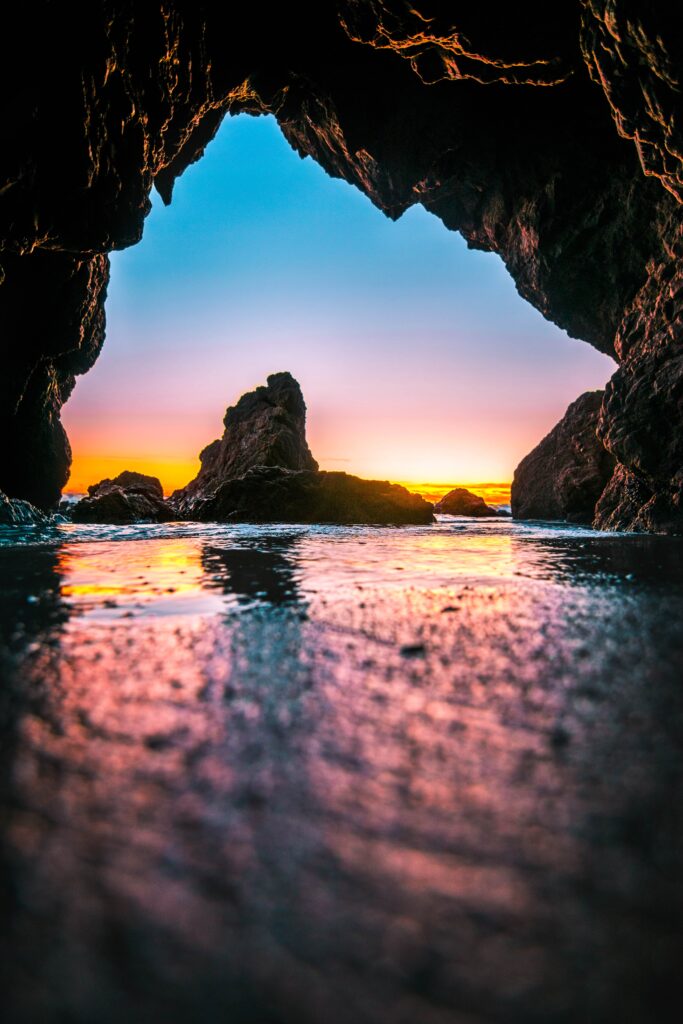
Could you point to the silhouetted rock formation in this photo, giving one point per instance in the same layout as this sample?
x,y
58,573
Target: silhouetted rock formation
x,y
270,494
563,477
555,142
15,512
137,483
262,471
128,498
267,427
461,502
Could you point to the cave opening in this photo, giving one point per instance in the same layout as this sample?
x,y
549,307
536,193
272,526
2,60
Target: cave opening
x,y
418,360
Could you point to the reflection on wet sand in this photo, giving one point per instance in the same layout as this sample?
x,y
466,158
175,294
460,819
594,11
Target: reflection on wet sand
x,y
261,570
30,605
154,577
343,775
603,558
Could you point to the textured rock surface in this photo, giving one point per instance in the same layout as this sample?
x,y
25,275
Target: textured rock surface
x,y
633,51
564,476
267,427
553,142
461,502
641,420
51,328
15,512
627,503
128,498
140,483
270,494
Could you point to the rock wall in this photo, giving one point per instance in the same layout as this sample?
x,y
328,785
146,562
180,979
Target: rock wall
x,y
553,142
566,473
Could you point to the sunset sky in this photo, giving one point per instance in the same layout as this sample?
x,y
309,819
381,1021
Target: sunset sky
x,y
418,360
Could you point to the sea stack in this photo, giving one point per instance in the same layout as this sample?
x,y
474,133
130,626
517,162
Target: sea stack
x,y
262,470
267,427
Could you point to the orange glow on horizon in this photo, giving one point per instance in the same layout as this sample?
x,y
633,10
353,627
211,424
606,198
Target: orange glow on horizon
x,y
492,493
174,473
90,469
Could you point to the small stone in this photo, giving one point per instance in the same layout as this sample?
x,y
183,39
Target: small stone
x,y
559,737
413,650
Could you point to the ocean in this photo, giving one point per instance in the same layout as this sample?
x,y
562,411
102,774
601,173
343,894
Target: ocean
x,y
340,773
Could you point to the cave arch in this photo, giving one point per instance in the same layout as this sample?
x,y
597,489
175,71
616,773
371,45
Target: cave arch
x,y
417,358
556,146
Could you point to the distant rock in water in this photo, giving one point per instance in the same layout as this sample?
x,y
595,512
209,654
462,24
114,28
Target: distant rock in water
x,y
461,502
128,498
15,512
267,427
137,483
268,494
564,476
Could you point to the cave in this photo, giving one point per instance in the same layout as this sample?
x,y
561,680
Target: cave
x,y
280,772
554,145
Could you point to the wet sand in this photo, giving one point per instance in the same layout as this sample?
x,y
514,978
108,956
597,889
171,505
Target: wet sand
x,y
345,775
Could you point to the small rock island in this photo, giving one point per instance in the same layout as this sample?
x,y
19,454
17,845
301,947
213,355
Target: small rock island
x,y
461,502
128,498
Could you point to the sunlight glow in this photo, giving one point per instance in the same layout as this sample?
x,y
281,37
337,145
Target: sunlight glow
x,y
88,469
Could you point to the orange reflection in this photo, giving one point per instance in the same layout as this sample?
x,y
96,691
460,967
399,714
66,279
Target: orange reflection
x,y
103,579
439,554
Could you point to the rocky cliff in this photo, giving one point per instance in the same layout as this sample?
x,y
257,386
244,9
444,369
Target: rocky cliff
x,y
564,476
555,142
